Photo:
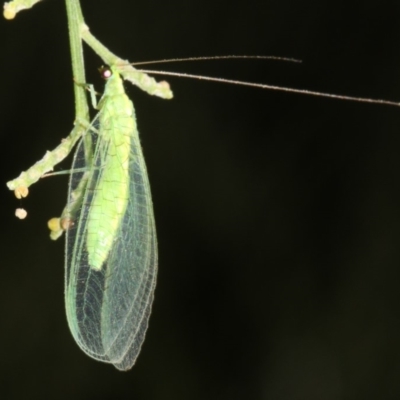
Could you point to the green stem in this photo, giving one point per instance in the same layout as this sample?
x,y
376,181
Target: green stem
x,y
82,120
75,22
138,78
78,30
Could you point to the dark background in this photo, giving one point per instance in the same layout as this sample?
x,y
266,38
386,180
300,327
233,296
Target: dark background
x,y
278,215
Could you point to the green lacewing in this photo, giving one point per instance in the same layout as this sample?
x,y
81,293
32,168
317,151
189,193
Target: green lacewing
x,y
111,245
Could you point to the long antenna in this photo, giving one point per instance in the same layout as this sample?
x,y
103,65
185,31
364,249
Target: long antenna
x,y
229,57
276,88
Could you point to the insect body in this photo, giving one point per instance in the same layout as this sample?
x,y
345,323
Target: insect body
x,y
111,248
111,196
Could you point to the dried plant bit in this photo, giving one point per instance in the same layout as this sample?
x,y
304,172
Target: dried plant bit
x,y
21,213
66,223
57,226
54,224
21,192
12,8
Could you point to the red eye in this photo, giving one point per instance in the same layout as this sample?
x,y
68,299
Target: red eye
x,y
105,72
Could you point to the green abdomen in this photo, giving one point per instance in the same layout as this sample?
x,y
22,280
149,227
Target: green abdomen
x,y
112,191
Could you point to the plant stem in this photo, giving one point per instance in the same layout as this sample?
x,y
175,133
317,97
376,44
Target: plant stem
x,y
138,78
75,22
78,30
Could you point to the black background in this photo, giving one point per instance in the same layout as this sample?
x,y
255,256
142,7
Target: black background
x,y
278,215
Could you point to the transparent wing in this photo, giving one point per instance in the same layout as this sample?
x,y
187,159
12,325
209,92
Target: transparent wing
x,y
108,310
